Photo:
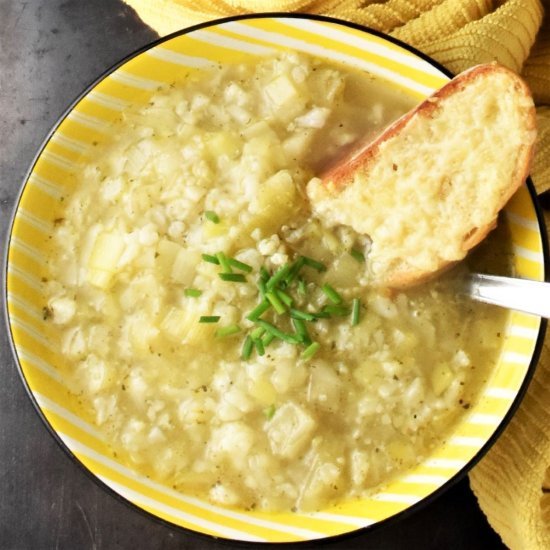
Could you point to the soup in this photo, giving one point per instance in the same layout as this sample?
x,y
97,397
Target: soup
x,y
225,341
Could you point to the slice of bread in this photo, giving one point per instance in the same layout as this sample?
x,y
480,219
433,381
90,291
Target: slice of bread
x,y
430,187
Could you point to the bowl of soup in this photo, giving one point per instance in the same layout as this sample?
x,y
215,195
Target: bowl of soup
x,y
206,346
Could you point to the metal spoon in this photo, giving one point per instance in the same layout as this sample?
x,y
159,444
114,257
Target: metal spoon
x,y
519,294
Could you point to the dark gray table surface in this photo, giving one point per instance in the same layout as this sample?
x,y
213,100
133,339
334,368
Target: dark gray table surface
x,y
49,51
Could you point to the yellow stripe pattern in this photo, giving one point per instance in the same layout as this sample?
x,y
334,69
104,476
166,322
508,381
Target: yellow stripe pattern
x,y
88,123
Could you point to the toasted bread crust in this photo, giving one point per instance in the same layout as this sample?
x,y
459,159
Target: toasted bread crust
x,y
362,160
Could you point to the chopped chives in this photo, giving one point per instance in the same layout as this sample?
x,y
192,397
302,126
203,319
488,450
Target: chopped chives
x,y
295,269
331,294
232,277
224,263
239,265
301,330
269,412
261,287
290,338
302,287
298,314
283,296
357,255
259,346
258,332
211,259
310,351
314,264
338,311
267,338
323,314
355,311
278,277
247,348
259,310
264,274
209,318
278,306
229,330
211,216
192,292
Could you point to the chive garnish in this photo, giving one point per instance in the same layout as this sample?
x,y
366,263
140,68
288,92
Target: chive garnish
x,y
295,269
210,259
210,215
247,348
290,338
261,287
298,314
355,311
301,330
267,338
338,311
257,333
209,318
284,297
192,292
278,277
357,255
259,346
232,277
229,330
233,262
224,264
331,294
276,292
258,311
323,314
314,264
278,306
310,351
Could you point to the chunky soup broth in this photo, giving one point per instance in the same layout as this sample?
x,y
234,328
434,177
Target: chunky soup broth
x,y
224,340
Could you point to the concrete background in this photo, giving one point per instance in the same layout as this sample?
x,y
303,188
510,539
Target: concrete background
x,y
50,51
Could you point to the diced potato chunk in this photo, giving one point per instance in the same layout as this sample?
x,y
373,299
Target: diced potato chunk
x,y
281,91
106,252
184,266
223,144
276,202
289,430
183,326
166,255
262,390
324,386
321,484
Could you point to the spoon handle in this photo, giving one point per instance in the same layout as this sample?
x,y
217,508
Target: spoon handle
x,y
520,294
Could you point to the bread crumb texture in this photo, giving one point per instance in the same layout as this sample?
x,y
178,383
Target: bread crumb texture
x,y
432,185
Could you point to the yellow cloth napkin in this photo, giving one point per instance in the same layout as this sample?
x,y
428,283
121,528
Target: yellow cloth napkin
x,y
512,481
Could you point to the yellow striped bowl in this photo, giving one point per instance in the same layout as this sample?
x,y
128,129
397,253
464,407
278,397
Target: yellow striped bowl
x,y
88,120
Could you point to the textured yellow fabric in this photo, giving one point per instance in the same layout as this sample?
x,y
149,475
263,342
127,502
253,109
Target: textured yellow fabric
x,y
512,482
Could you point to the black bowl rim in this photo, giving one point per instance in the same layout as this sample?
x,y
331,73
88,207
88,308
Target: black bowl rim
x,y
243,543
